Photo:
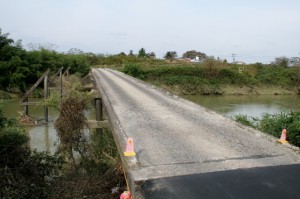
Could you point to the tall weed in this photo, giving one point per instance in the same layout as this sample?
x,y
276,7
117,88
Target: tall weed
x,y
273,124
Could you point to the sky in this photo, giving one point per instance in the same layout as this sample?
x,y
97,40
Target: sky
x,y
252,30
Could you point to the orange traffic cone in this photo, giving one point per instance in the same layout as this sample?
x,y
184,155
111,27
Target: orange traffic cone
x,y
129,148
282,139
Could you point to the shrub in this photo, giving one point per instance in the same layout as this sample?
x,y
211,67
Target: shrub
x,y
133,70
245,120
24,174
273,124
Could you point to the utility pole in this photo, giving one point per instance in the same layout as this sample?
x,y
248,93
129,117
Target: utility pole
x,y
233,57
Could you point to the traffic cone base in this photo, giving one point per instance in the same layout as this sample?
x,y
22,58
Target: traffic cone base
x,y
128,154
129,148
282,139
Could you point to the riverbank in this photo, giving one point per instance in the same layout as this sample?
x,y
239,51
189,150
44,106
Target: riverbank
x,y
215,78
227,90
257,90
6,95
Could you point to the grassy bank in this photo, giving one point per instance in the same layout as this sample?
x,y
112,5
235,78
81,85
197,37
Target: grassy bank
x,y
6,95
213,77
273,124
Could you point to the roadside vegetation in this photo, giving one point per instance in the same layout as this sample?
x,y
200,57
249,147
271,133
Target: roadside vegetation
x,y
21,68
85,165
24,173
216,77
93,166
273,124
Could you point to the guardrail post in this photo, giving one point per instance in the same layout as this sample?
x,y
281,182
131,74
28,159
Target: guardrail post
x,y
46,93
25,108
61,84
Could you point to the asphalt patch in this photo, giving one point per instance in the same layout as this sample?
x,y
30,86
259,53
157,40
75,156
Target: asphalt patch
x,y
266,182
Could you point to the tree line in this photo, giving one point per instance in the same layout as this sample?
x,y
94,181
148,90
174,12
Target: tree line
x,y
20,67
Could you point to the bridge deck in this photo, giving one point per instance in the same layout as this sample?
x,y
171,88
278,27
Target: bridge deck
x,y
184,148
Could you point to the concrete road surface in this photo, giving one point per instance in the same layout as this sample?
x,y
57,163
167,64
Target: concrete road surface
x,y
186,151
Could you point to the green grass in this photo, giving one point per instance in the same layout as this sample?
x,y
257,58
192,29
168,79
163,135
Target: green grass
x,y
273,124
210,77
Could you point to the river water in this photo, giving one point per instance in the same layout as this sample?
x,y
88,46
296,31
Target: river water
x,y
253,106
44,137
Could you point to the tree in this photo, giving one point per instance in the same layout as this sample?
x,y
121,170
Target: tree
x,y
295,61
122,54
142,53
170,55
75,51
4,40
192,54
131,53
281,61
151,55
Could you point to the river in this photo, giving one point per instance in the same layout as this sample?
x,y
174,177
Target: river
x,y
250,105
44,137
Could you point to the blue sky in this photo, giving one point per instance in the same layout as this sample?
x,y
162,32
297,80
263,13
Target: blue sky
x,y
256,30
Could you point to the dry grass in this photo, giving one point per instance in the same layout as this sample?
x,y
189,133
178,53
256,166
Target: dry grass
x,y
76,185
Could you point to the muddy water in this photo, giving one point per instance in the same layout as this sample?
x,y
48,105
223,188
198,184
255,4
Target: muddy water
x,y
253,106
43,137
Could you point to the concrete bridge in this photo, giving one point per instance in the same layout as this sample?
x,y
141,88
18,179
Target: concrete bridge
x,y
186,151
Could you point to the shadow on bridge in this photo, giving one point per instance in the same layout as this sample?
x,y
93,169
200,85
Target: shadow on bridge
x,y
265,182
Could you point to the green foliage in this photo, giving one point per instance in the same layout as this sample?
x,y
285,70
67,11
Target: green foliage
x,y
4,40
170,55
133,70
273,124
281,61
24,174
4,95
275,75
245,120
69,127
104,154
20,68
192,54
210,76
142,53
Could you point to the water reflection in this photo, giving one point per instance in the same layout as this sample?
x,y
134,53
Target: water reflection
x,y
43,137
253,106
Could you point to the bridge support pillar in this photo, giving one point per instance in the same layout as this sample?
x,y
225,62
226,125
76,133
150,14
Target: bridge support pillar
x,y
99,109
99,112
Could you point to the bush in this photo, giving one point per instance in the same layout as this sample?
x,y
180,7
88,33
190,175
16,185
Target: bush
x,y
245,120
133,70
273,124
24,174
